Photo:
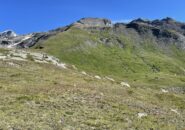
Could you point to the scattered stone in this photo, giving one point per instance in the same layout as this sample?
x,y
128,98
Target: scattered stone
x,y
13,64
111,79
175,111
97,77
102,94
84,73
61,65
164,91
2,57
124,84
140,115
17,58
21,55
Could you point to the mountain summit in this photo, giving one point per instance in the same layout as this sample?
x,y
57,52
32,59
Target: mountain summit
x,y
93,22
8,34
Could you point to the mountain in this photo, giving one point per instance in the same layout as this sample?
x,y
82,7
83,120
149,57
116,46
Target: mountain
x,y
95,75
141,46
161,31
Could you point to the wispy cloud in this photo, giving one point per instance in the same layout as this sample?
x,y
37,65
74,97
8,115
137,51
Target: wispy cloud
x,y
122,21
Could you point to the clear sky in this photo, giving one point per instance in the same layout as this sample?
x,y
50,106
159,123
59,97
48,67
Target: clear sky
x,y
25,16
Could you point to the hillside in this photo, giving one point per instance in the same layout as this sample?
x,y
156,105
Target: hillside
x,y
95,75
119,52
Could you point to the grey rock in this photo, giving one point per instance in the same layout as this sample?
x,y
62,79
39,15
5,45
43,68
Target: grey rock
x,y
11,40
94,22
165,32
8,34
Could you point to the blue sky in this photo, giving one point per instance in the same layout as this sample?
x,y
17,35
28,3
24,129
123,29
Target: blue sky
x,y
25,16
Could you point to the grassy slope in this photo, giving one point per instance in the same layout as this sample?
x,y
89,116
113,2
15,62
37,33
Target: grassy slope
x,y
41,96
133,63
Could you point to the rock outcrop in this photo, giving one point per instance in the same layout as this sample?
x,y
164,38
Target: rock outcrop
x,y
10,39
166,31
92,22
8,34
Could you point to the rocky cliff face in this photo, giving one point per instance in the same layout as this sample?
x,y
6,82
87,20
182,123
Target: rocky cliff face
x,y
165,32
8,34
160,28
92,22
10,39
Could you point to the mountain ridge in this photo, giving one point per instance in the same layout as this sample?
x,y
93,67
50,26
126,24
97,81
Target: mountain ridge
x,y
164,30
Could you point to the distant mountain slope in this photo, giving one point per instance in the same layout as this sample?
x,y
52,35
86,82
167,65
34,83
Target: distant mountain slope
x,y
121,50
97,45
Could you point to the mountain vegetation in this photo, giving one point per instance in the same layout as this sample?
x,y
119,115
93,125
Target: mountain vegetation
x,y
94,75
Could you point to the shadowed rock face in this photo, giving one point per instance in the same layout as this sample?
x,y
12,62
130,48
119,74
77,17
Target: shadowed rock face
x,y
166,31
10,39
8,34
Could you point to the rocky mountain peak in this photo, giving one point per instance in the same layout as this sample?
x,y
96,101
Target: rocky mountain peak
x,y
10,39
164,21
8,34
140,20
93,22
168,20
